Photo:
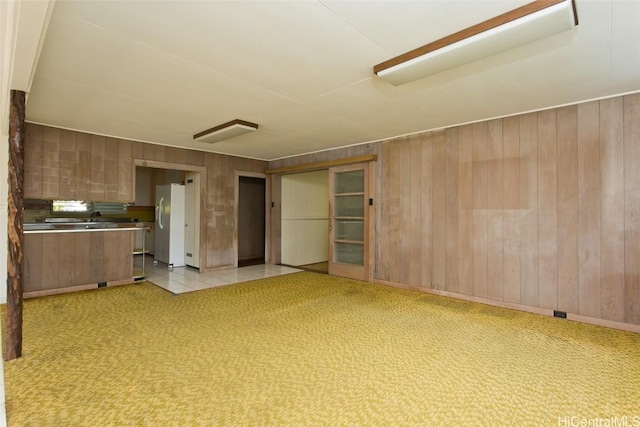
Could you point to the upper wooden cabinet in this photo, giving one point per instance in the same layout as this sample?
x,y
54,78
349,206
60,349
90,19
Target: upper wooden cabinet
x,y
69,165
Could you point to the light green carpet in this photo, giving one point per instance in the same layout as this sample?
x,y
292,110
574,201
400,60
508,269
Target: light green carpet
x,y
310,349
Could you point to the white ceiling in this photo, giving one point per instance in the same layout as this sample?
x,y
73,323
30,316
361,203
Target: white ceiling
x,y
162,71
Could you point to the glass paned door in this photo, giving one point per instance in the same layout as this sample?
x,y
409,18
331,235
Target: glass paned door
x,y
348,249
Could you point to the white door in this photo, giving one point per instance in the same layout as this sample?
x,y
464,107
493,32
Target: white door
x,y
192,220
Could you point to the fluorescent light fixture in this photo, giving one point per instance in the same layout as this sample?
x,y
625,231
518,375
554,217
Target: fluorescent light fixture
x,y
528,23
225,131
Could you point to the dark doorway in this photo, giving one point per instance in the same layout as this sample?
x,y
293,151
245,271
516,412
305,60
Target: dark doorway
x,y
251,220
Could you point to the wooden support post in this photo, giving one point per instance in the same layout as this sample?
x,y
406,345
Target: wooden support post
x,y
13,348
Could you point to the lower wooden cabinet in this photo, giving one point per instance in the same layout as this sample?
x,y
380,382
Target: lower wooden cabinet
x,y
64,260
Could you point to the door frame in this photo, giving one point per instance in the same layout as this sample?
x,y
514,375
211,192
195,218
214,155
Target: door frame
x,y
198,184
267,213
274,195
202,170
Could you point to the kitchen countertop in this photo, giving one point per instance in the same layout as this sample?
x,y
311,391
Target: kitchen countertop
x,y
80,226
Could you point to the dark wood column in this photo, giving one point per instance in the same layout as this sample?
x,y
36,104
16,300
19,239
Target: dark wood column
x,y
13,348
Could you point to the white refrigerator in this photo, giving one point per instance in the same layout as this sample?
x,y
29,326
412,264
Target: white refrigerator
x,y
169,229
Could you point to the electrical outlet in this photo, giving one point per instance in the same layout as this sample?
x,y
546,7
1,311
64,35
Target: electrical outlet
x,y
561,314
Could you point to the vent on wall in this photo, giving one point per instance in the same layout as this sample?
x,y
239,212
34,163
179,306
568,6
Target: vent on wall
x,y
225,131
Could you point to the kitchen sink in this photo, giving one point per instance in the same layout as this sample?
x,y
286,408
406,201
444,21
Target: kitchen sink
x,y
93,220
37,226
65,220
100,225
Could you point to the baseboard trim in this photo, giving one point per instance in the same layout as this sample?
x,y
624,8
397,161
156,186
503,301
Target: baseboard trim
x,y
46,292
515,306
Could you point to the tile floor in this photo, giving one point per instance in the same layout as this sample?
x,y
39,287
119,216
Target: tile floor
x,y
188,279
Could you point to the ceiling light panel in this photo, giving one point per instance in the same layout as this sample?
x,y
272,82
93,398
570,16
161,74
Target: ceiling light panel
x,y
224,131
531,22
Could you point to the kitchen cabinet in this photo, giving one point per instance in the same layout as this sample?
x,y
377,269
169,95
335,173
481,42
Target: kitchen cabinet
x,y
67,165
70,165
97,186
33,161
59,261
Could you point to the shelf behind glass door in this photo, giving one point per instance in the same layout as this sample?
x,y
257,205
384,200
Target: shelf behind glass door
x,y
348,253
349,229
349,182
352,205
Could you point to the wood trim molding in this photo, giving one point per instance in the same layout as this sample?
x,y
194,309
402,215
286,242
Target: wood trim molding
x,y
513,306
168,165
512,15
307,167
69,289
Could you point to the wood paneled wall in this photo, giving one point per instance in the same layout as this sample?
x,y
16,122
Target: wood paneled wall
x,y
62,164
540,210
